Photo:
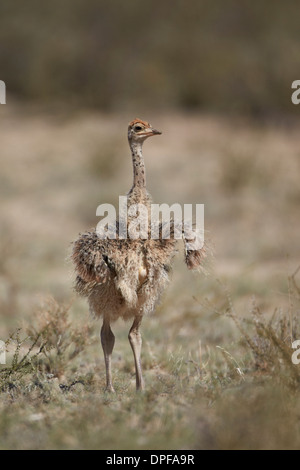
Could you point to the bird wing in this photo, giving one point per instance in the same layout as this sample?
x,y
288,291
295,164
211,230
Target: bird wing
x,y
90,259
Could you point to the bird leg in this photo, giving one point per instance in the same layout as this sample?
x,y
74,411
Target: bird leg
x,y
135,340
107,341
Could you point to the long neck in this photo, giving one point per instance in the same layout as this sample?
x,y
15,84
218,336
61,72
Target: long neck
x,y
139,175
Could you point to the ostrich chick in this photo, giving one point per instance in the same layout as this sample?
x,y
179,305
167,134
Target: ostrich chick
x,y
125,277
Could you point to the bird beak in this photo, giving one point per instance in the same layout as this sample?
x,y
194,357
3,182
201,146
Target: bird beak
x,y
149,132
155,132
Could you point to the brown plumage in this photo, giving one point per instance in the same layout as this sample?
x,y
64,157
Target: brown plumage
x,y
125,277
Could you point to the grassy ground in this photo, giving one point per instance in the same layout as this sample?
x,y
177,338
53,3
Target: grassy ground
x,y
217,353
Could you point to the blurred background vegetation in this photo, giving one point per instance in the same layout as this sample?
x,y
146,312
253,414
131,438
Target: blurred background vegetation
x,y
236,56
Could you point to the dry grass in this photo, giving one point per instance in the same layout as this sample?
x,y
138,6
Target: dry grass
x,y
217,354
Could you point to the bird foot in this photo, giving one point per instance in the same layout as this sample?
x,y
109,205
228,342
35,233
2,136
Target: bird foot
x,y
140,387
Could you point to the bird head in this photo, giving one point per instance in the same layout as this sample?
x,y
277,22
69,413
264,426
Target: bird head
x,y
139,130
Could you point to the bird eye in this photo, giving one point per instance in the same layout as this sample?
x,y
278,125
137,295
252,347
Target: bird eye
x,y
137,128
